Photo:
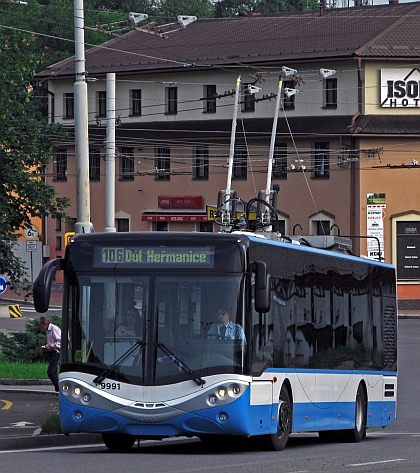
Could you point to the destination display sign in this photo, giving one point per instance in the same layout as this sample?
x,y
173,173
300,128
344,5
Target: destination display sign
x,y
154,256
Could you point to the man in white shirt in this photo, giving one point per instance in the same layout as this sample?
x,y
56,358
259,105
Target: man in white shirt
x,y
53,346
225,329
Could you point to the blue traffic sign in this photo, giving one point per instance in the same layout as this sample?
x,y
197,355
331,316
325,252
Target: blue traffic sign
x,y
3,285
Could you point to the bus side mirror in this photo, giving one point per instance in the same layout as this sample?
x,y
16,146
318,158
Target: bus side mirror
x,y
262,287
42,284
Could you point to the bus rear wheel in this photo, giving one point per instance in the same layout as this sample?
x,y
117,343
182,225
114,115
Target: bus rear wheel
x,y
358,433
118,442
278,441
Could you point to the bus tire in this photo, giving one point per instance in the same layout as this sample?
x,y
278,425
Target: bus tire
x,y
278,441
358,433
118,442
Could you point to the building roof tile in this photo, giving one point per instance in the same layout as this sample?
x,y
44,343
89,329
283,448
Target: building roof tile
x,y
380,31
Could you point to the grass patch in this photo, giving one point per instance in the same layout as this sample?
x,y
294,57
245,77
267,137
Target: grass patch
x,y
52,425
16,370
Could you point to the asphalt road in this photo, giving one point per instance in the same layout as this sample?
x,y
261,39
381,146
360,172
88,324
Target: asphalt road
x,y
23,413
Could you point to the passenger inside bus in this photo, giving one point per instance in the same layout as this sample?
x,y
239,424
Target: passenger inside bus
x,y
224,328
132,326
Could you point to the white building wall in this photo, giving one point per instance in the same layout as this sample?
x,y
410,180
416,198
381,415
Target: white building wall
x,y
309,99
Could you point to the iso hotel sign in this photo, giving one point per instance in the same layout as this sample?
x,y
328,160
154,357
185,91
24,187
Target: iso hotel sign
x,y
400,88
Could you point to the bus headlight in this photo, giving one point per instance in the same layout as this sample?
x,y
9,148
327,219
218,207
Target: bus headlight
x,y
222,392
77,391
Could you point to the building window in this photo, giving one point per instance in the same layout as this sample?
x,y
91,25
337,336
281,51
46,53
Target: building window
x,y
60,165
163,164
206,227
127,164
321,160
288,102
171,100
330,93
122,224
240,164
58,243
69,105
210,98
58,224
280,161
320,223
135,102
101,105
160,226
322,227
248,100
94,165
279,226
201,164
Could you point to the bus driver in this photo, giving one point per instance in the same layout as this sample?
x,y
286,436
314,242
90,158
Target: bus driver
x,y
225,328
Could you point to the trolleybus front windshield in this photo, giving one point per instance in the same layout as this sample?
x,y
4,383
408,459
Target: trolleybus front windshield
x,y
153,328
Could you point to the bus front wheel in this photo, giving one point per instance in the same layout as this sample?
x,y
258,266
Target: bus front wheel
x,y
278,441
118,442
359,431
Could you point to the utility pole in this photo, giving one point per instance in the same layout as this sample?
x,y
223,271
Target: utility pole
x,y
83,223
110,153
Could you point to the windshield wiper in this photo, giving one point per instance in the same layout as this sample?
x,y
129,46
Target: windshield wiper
x,y
194,376
120,361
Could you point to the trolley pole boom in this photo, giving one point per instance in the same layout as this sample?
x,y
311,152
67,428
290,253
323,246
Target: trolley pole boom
x,y
273,142
232,144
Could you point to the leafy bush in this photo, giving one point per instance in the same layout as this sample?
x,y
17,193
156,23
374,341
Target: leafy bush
x,y
25,347
52,425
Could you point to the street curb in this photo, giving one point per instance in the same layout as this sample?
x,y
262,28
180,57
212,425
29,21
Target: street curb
x,y
24,382
45,441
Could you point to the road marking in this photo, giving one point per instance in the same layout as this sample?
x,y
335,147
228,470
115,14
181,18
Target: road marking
x,y
33,311
7,404
23,423
382,434
377,462
64,447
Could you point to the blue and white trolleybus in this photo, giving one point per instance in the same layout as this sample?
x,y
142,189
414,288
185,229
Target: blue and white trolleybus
x,y
310,342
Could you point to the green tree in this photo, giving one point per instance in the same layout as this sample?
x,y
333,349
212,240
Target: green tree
x,y
227,8
199,8
52,24
25,145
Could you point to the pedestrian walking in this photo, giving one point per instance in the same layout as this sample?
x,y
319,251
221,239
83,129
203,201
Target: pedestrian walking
x,y
53,347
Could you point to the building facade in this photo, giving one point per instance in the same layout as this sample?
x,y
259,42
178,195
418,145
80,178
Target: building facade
x,y
345,154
